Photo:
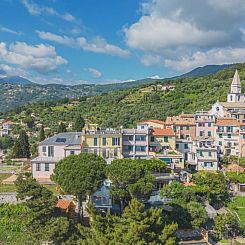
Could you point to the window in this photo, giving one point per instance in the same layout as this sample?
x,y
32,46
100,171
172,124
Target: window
x,y
217,108
165,139
209,124
130,137
209,153
104,141
187,136
38,166
243,136
140,138
181,127
130,148
46,167
95,151
231,98
50,151
209,133
174,128
44,149
186,146
61,140
152,138
177,146
104,153
228,144
95,141
140,148
187,127
115,141
201,153
220,143
229,136
72,152
142,127
201,133
220,135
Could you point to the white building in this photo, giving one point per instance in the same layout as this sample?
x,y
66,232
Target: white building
x,y
51,151
203,155
235,104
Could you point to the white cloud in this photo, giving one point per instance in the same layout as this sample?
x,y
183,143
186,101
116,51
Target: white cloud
x,y
7,70
155,77
95,73
35,9
41,58
8,30
154,33
99,45
56,38
96,45
170,33
213,56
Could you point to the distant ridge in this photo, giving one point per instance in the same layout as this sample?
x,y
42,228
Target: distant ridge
x,y
205,70
15,80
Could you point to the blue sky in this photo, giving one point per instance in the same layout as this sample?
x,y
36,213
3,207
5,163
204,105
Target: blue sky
x,y
101,41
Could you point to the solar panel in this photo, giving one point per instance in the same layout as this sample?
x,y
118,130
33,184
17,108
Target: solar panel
x,y
61,140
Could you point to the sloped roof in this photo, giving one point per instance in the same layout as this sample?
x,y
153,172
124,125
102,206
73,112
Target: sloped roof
x,y
227,122
69,138
236,79
164,132
180,120
153,121
233,105
63,203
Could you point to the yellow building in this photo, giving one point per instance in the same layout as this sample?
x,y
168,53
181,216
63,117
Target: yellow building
x,y
105,143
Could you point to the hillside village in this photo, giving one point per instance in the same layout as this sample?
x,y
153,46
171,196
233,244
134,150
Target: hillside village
x,y
206,141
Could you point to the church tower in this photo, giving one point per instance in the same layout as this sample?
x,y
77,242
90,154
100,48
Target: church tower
x,y
235,94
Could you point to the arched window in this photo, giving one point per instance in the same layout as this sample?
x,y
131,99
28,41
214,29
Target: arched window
x,y
238,98
231,98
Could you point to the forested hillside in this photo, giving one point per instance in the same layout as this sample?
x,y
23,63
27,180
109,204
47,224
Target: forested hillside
x,y
126,107
16,91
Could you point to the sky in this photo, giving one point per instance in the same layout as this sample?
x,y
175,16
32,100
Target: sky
x,y
107,41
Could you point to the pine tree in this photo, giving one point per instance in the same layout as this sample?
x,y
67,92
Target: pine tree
x,y
79,123
17,149
41,134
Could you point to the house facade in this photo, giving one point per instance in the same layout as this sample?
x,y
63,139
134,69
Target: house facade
x,y
105,143
51,151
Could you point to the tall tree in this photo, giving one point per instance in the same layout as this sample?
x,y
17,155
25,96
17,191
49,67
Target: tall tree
x,y
41,134
79,123
130,179
24,142
80,175
17,149
62,128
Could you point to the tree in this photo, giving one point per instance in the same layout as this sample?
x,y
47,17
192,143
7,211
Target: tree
x,y
212,186
130,179
226,225
198,214
17,149
79,123
41,134
80,175
135,226
6,142
24,142
177,190
61,128
44,223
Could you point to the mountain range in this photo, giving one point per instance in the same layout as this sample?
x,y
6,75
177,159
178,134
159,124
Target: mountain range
x,y
16,91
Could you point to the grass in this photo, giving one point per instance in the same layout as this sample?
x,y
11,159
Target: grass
x,y
4,176
52,188
7,188
238,206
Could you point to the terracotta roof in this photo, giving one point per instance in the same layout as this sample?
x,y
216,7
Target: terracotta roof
x,y
63,203
227,122
165,132
180,120
153,121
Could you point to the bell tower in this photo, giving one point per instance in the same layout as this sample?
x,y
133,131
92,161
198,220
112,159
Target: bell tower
x,y
235,94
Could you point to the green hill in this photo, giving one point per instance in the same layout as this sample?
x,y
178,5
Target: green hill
x,y
126,107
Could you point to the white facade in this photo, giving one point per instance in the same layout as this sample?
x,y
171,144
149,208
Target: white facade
x,y
203,155
51,151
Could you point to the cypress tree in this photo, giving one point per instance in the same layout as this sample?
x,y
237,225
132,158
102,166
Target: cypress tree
x,y
79,123
41,134
61,128
24,143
